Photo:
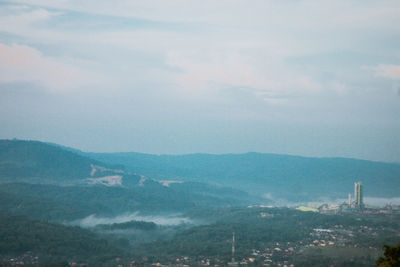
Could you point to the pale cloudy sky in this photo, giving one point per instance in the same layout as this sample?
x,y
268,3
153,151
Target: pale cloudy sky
x,y
313,78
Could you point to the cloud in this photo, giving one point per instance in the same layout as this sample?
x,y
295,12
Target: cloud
x,y
216,50
25,21
21,63
388,71
208,71
200,64
298,14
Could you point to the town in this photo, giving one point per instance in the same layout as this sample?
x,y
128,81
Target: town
x,y
352,231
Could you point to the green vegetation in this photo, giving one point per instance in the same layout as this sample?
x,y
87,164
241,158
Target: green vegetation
x,y
48,182
260,228
40,162
391,256
61,203
290,177
42,185
136,225
42,206
255,228
52,242
338,256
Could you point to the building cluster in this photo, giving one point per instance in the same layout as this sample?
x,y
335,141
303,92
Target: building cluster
x,y
26,259
354,204
357,204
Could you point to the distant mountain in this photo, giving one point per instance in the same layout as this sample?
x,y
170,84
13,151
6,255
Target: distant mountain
x,y
206,178
46,181
34,161
275,176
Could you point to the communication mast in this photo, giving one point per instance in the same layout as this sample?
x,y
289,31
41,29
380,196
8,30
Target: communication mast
x,y
233,247
233,262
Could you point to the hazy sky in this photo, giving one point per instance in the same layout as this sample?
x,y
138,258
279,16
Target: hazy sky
x,y
314,78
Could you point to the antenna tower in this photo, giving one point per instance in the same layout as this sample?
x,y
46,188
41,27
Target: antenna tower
x,y
233,247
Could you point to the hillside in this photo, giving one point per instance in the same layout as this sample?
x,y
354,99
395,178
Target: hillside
x,y
66,203
274,176
45,181
52,242
34,161
204,178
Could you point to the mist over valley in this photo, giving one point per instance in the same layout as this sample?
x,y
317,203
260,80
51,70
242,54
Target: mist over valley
x,y
145,203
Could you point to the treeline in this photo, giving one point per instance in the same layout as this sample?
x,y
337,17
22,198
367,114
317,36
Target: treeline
x,y
52,242
60,203
134,225
19,159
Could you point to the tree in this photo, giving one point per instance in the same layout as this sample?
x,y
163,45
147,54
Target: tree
x,y
391,257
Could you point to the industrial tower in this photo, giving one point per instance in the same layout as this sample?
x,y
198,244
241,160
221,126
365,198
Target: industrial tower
x,y
358,195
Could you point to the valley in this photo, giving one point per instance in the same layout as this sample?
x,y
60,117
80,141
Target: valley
x,y
64,207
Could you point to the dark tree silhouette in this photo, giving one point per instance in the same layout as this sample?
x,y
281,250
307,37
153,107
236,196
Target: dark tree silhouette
x,y
391,256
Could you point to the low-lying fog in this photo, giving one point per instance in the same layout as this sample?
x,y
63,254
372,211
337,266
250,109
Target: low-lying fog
x,y
178,219
166,220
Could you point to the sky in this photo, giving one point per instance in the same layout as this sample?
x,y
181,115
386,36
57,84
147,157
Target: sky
x,y
311,78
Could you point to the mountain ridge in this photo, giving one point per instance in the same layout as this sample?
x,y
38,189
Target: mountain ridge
x,y
35,173
268,175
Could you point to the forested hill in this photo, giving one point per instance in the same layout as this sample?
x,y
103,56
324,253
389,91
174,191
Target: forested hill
x,y
37,161
47,181
52,242
273,176
290,177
